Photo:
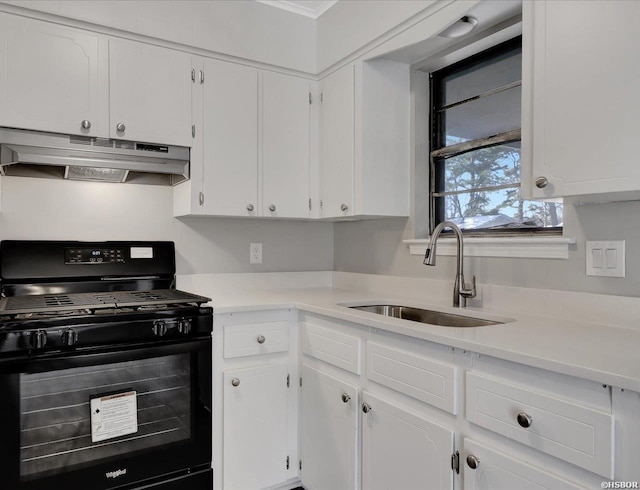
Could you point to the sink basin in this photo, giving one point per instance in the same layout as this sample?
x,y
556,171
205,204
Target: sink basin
x,y
426,316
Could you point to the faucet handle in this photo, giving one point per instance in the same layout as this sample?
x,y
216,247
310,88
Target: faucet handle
x,y
467,292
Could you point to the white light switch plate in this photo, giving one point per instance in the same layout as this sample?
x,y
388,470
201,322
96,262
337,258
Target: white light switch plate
x,y
605,258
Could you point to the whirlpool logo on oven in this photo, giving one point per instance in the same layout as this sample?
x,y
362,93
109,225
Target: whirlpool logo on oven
x,y
116,473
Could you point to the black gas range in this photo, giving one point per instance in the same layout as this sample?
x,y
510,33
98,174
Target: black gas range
x,y
105,368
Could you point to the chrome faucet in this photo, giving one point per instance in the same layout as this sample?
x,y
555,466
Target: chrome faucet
x,y
460,289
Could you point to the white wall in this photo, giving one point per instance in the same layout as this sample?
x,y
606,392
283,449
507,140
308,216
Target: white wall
x,y
43,209
350,24
376,247
241,28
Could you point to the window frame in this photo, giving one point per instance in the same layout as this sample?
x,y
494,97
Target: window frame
x,y
438,150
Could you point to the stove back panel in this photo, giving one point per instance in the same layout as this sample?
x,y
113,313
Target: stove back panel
x,y
48,263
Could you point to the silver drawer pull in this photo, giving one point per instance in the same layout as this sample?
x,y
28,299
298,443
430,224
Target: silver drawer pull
x,y
235,382
473,462
524,420
261,339
346,397
366,408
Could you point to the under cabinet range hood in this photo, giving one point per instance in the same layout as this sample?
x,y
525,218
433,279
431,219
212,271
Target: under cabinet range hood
x,y
36,154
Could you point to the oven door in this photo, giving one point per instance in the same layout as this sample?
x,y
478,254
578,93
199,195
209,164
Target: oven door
x,y
106,419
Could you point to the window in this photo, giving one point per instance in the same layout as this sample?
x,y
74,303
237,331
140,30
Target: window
x,y
475,147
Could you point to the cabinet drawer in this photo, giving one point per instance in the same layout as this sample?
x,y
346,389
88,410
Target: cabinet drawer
x,y
497,470
426,380
333,347
569,431
255,338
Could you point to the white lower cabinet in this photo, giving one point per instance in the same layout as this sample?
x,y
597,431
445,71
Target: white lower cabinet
x,y
488,469
328,431
256,421
382,411
403,450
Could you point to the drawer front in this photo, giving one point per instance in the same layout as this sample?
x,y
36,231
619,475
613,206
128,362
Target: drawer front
x,y
426,380
498,471
569,431
333,347
255,338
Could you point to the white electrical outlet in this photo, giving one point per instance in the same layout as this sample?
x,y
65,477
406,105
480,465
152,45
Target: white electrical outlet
x,y
255,253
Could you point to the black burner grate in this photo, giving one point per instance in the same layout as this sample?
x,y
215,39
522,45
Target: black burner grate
x,y
59,302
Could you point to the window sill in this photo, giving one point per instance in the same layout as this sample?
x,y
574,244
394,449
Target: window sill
x,y
511,247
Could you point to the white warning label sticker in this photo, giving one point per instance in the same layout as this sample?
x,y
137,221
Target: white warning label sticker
x,y
114,416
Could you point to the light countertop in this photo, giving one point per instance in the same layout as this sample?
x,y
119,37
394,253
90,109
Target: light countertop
x,y
602,353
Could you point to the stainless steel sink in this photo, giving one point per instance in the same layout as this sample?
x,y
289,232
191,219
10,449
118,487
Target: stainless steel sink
x,y
426,316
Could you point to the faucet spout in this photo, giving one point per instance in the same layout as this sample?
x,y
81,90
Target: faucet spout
x,y
460,288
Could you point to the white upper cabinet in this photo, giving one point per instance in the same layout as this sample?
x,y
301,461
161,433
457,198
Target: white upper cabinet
x,y
580,104
337,143
285,145
52,78
365,158
150,93
230,139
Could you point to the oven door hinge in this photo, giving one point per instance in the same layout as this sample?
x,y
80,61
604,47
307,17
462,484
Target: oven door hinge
x,y
288,380
455,462
287,462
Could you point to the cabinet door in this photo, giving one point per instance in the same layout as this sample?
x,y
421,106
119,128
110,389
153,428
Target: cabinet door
x,y
255,427
150,93
497,471
230,139
337,143
285,146
51,77
580,92
328,432
403,450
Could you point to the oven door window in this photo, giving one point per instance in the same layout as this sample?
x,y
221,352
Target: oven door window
x,y
56,412
103,419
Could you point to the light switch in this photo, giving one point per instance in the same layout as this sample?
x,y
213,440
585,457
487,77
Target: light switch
x,y
605,258
596,255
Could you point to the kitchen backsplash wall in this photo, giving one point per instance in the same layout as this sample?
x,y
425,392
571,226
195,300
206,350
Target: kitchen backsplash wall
x,y
375,247
43,209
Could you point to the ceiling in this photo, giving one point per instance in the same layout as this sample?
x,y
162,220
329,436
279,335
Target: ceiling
x,y
308,8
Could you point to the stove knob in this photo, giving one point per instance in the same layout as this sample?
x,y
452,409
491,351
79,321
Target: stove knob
x,y
159,328
69,337
184,327
38,339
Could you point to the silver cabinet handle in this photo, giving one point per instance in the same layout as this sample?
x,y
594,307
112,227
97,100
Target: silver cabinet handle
x,y
346,397
249,207
120,127
272,207
261,339
86,124
542,182
344,207
524,420
473,462
235,382
366,408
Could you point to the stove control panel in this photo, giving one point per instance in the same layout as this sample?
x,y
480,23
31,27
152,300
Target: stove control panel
x,y
93,255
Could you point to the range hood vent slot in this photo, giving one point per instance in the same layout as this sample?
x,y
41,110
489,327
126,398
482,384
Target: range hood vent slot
x,y
36,154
